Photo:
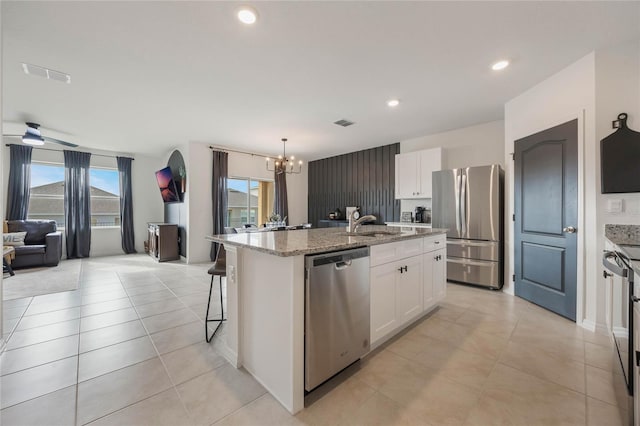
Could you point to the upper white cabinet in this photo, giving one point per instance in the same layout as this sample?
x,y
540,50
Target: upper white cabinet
x,y
413,172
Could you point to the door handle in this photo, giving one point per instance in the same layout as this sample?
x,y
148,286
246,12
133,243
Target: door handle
x,y
606,274
569,230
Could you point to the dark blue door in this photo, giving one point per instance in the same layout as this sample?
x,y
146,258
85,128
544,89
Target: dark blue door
x,y
546,216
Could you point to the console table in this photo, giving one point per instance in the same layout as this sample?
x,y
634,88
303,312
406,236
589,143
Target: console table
x,y
163,241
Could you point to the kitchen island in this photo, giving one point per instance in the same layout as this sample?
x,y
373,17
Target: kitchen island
x,y
266,301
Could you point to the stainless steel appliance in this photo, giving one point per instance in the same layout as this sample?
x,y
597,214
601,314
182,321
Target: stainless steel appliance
x,y
618,265
336,313
469,202
423,215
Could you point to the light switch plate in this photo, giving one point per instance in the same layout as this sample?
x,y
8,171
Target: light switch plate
x,y
614,205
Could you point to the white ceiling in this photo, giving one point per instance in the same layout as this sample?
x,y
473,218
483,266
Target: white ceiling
x,y
147,76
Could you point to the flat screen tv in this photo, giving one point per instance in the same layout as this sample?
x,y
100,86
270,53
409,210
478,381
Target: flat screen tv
x,y
168,188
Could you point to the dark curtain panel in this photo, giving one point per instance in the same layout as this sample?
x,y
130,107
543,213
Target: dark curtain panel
x,y
77,203
19,182
281,205
219,196
126,205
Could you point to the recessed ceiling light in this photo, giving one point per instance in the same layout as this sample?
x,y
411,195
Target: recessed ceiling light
x,y
393,103
247,15
500,65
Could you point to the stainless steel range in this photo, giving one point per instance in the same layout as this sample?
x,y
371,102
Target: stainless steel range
x,y
618,264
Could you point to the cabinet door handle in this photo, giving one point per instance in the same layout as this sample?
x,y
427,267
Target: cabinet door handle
x,y
436,242
605,274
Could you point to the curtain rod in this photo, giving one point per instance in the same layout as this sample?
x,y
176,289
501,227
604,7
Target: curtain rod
x,y
59,150
219,148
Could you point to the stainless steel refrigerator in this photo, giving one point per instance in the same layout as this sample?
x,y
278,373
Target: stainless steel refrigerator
x,y
470,203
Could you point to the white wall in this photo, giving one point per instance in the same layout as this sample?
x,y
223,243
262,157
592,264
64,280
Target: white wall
x,y
595,89
617,90
2,203
617,74
147,203
476,145
566,95
199,162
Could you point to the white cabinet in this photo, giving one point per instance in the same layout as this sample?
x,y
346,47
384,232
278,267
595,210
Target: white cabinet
x,y
434,263
440,275
413,173
396,295
383,300
409,289
407,278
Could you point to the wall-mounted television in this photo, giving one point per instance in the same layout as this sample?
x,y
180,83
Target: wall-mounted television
x,y
168,188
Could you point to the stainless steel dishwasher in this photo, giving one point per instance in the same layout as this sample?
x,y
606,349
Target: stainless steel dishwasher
x,y
336,313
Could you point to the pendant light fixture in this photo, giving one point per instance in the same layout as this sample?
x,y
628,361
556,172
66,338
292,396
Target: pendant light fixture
x,y
284,164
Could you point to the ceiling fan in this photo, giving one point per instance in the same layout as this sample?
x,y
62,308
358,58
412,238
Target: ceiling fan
x,y
33,137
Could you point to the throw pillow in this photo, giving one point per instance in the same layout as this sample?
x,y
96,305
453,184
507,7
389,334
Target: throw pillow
x,y
13,239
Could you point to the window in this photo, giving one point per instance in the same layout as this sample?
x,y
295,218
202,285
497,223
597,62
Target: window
x,y
105,197
47,194
249,201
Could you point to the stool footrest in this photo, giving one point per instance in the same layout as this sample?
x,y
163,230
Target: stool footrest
x,y
206,318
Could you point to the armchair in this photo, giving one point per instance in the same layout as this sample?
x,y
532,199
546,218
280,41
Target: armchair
x,y
42,244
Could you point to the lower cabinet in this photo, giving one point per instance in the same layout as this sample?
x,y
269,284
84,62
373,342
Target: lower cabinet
x,y
406,279
396,295
435,280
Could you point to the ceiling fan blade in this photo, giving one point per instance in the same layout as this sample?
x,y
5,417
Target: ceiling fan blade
x,y
58,141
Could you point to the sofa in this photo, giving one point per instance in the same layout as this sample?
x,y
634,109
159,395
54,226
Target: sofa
x,y
42,244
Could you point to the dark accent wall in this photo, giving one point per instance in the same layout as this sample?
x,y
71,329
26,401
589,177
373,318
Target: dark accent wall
x,y
363,178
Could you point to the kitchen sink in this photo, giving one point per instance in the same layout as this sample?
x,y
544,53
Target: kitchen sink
x,y
369,234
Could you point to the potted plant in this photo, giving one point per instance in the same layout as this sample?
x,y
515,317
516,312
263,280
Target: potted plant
x,y
273,219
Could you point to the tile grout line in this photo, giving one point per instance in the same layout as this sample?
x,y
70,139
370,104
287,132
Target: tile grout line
x,y
164,366
13,330
75,414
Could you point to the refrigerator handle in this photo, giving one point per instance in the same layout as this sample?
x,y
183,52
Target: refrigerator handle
x,y
463,203
457,198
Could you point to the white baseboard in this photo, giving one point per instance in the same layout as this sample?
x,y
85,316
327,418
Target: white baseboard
x,y
229,355
588,325
594,326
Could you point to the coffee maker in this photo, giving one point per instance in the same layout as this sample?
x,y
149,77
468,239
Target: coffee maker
x,y
422,215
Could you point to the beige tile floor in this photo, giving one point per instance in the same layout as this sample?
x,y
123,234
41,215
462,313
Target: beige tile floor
x,y
127,348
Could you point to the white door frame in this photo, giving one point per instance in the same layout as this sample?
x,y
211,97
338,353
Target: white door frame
x,y
580,266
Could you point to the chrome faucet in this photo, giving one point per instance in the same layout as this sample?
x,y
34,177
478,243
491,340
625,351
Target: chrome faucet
x,y
355,224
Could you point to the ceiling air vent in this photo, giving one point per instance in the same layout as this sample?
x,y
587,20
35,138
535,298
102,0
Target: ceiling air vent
x,y
343,123
31,69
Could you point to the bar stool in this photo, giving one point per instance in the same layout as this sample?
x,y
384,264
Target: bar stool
x,y
219,268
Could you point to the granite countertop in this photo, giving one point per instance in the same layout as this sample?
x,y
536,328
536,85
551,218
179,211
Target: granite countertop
x,y
624,235
319,240
409,224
